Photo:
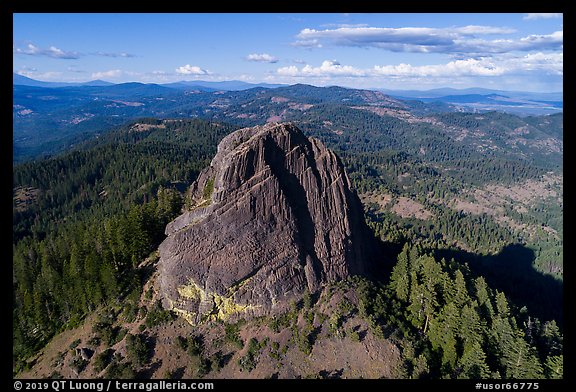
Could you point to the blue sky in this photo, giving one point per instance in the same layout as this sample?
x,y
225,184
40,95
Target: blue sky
x,y
395,51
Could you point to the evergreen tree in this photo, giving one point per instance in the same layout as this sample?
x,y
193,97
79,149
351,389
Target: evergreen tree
x,y
473,364
551,339
520,360
502,304
400,278
458,293
554,367
432,277
471,326
482,297
442,335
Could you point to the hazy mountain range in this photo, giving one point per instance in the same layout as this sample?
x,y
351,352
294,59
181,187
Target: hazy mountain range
x,y
519,102
49,117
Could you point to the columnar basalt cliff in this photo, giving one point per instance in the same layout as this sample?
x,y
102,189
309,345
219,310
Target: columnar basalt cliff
x,y
272,216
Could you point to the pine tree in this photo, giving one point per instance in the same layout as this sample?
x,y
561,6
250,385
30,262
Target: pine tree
x,y
415,308
432,278
421,368
502,304
483,298
473,363
551,338
471,326
459,294
554,367
400,277
442,335
520,360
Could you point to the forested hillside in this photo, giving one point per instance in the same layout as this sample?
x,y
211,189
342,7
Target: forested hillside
x,y
49,119
94,214
468,208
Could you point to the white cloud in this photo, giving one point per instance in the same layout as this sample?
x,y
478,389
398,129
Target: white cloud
x,y
477,30
468,67
327,69
111,74
114,54
43,76
191,70
75,70
52,51
524,44
28,69
551,63
246,78
378,36
262,58
307,43
465,40
57,53
291,70
344,25
542,16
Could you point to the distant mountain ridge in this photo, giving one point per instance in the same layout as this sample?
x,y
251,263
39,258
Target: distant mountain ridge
x,y
48,119
237,85
26,81
481,99
228,85
447,91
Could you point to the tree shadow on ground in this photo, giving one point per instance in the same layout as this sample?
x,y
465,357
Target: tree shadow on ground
x,y
385,259
178,373
512,271
331,374
147,373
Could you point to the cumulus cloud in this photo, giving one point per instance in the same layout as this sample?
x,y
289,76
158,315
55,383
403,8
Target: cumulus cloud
x,y
467,40
468,67
191,70
551,63
262,58
52,51
328,68
542,16
111,74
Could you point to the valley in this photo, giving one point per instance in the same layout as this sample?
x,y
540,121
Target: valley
x,y
50,119
473,201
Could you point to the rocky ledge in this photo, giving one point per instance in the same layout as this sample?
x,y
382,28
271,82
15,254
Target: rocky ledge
x,y
272,217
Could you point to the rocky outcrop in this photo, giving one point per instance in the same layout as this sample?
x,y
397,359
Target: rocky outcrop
x,y
271,217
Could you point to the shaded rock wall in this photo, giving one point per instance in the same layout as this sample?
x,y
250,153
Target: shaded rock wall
x,y
273,215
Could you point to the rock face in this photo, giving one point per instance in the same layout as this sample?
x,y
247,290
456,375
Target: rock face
x,y
272,216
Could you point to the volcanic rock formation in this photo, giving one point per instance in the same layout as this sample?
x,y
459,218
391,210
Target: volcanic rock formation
x,y
272,216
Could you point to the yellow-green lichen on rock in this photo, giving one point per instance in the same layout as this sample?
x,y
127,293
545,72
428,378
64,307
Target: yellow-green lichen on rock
x,y
192,291
222,307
